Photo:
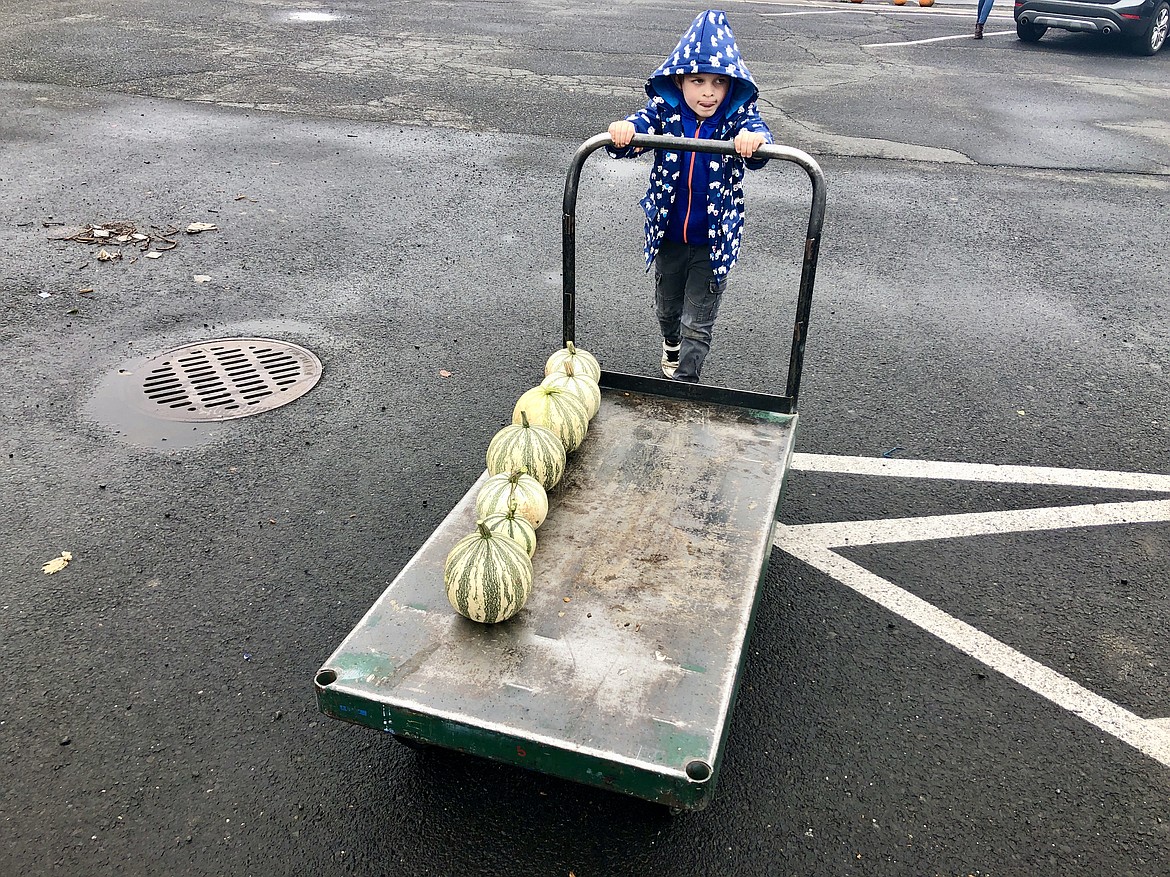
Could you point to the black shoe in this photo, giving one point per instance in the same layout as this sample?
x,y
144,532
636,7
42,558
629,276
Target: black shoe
x,y
978,31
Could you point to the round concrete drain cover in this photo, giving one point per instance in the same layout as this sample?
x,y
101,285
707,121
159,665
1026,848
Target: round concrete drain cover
x,y
227,378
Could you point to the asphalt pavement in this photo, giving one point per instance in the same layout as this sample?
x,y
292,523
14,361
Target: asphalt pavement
x,y
385,184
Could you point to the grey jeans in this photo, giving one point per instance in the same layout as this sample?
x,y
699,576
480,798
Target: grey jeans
x,y
686,301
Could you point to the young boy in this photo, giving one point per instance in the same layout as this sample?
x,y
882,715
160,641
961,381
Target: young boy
x,y
694,206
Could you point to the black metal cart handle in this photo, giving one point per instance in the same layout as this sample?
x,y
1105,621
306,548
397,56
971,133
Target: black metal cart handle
x,y
786,403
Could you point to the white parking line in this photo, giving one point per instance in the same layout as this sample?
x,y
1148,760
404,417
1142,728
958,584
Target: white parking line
x,y
888,531
965,36
904,468
814,544
858,9
808,12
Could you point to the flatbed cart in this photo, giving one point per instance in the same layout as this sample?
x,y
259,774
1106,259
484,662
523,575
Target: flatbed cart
x,y
622,670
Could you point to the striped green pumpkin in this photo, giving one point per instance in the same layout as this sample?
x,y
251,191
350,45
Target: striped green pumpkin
x,y
557,409
535,449
582,386
515,528
517,489
488,576
584,362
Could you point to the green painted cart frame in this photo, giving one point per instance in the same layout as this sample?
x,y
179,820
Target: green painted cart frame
x,y
622,670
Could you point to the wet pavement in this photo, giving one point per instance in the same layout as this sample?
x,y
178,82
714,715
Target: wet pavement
x,y
988,292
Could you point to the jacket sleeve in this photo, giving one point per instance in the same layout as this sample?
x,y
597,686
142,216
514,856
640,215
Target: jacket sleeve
x,y
646,121
751,120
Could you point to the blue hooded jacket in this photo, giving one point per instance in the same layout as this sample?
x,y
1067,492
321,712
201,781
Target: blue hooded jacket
x,y
685,185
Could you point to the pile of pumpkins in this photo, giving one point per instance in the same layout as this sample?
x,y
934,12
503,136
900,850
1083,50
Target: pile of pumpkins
x,y
488,574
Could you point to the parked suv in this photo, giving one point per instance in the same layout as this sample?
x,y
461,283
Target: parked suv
x,y
1142,24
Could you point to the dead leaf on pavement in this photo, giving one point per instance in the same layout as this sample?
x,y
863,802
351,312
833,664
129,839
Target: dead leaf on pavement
x,y
196,227
201,278
123,233
443,373
90,234
57,563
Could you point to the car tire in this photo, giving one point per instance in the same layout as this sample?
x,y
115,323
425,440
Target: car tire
x,y
1028,32
1151,41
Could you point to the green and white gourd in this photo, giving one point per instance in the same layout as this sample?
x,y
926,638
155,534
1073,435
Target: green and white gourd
x,y
488,576
515,528
582,386
584,362
536,449
557,409
517,490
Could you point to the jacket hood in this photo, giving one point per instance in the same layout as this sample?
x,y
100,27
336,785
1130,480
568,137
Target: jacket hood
x,y
707,47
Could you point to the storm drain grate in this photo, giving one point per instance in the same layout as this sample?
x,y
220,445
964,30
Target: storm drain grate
x,y
227,378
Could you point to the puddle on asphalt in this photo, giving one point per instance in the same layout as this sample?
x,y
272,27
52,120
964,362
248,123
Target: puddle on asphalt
x,y
117,404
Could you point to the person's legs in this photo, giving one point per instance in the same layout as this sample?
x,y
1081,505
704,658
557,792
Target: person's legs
x,y
670,275
700,308
981,16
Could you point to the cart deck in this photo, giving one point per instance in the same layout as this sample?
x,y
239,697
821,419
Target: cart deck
x,y
622,669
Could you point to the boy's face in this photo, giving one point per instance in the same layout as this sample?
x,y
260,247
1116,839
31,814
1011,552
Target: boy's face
x,y
703,92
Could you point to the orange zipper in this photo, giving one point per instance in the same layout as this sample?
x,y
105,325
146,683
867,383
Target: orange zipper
x,y
690,179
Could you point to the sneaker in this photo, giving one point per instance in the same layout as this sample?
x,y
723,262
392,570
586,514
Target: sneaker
x,y
670,358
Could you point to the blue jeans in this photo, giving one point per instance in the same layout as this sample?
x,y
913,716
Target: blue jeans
x,y
686,302
984,11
